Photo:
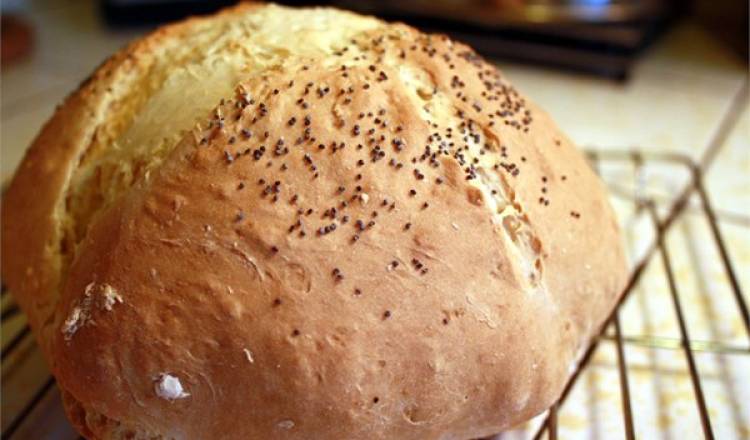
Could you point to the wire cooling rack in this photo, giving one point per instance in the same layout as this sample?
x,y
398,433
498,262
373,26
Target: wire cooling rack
x,y
652,213
661,213
612,329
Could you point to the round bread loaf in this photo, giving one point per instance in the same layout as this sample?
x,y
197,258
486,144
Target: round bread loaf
x,y
306,224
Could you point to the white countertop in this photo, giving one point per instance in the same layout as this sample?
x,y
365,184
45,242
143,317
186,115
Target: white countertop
x,y
674,101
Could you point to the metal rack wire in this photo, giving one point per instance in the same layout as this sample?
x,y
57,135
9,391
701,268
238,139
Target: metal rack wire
x,y
661,225
611,331
549,426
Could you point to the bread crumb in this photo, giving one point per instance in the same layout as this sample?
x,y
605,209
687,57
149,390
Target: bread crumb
x,y
168,387
286,424
75,320
249,355
110,297
364,198
102,296
455,226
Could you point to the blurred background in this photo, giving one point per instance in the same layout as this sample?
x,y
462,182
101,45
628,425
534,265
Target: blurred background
x,y
663,78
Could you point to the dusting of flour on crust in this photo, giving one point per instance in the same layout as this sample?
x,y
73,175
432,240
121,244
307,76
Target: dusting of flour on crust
x,y
249,355
169,387
285,424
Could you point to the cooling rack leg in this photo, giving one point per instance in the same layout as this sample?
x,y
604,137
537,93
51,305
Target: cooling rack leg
x,y
685,336
728,267
624,386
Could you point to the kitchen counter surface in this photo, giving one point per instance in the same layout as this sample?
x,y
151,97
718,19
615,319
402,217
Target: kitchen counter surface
x,y
679,93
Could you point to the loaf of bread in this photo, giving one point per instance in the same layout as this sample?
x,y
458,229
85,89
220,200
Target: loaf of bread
x,y
306,224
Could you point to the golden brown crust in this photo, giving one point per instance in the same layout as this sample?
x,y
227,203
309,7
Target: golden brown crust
x,y
402,247
34,203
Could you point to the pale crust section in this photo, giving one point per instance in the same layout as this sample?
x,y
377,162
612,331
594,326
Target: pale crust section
x,y
383,241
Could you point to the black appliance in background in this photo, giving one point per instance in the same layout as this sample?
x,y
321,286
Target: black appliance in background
x,y
601,37
126,13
